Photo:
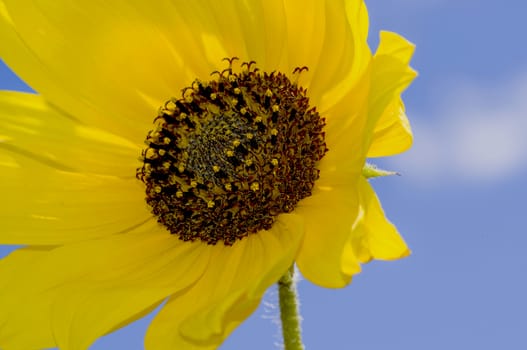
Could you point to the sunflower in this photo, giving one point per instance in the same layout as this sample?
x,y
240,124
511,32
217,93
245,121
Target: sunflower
x,y
187,152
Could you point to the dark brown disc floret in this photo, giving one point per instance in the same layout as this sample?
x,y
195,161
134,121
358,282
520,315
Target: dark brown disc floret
x,y
230,155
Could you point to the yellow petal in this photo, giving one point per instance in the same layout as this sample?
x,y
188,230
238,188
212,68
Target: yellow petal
x,y
373,236
346,125
391,74
336,56
328,37
271,31
14,338
231,288
345,55
345,104
118,63
111,66
90,288
329,214
392,134
306,22
249,30
45,206
30,127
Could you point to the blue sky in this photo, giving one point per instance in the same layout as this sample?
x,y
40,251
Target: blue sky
x,y
459,203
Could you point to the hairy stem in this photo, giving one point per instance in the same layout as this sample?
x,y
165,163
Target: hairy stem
x,y
289,312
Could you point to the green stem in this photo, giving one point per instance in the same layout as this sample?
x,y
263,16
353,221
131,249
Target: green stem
x,y
289,311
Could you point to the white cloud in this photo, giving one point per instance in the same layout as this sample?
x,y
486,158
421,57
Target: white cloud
x,y
477,134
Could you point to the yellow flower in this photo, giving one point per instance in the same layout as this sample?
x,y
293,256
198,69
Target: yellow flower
x,y
235,167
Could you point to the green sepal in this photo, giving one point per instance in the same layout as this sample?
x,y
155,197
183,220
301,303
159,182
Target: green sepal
x,y
370,171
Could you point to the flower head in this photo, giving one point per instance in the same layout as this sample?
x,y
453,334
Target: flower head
x,y
135,176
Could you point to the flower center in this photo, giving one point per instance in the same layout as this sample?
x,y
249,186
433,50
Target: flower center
x,y
231,155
